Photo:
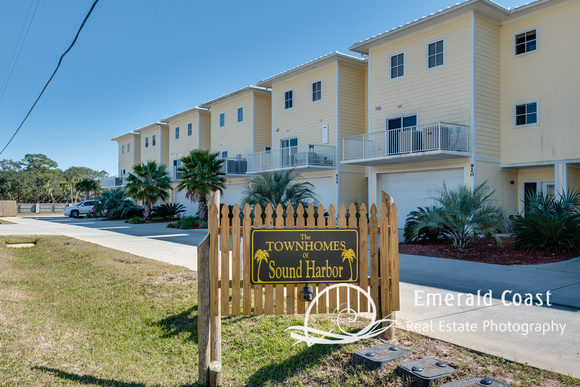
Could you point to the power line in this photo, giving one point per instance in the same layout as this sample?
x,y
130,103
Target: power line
x,y
52,76
17,50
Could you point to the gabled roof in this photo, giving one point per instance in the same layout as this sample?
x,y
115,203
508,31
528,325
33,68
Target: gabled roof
x,y
185,112
250,88
124,135
308,66
489,9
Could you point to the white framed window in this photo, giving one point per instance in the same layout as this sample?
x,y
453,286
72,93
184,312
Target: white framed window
x,y
526,42
288,99
435,54
223,154
240,114
222,119
177,174
316,91
123,149
146,142
526,113
153,142
267,148
397,65
123,172
189,129
177,132
128,147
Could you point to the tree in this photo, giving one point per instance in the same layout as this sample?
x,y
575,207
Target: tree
x,y
87,186
115,204
201,174
148,182
278,188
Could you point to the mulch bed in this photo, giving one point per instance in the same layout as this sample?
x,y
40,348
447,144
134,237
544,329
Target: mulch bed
x,y
485,251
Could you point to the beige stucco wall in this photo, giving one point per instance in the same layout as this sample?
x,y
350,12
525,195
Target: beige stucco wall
x,y
548,75
440,94
306,118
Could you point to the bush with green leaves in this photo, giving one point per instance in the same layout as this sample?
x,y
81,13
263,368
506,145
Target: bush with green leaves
x,y
460,214
169,211
114,204
188,222
134,220
550,224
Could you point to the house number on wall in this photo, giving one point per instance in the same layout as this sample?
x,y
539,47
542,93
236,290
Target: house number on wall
x,y
472,170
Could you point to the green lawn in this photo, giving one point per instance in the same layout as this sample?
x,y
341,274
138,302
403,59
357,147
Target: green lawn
x,y
74,313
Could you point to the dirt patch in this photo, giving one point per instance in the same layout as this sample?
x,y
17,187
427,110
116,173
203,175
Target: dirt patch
x,y
485,251
20,245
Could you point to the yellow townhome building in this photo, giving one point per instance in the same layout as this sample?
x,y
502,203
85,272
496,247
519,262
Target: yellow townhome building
x,y
240,125
472,93
314,106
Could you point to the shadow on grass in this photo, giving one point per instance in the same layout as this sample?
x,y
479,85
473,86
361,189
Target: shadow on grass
x,y
279,372
184,323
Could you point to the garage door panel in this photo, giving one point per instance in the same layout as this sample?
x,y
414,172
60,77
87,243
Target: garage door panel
x,y
324,189
415,189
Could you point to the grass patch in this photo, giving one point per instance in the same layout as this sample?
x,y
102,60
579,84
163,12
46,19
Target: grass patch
x,y
4,221
80,314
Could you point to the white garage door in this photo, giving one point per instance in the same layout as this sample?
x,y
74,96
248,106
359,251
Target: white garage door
x,y
413,189
324,188
233,193
190,207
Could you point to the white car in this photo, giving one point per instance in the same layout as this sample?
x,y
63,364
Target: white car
x,y
85,207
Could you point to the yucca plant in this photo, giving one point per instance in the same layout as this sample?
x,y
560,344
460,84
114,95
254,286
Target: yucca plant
x,y
168,210
422,224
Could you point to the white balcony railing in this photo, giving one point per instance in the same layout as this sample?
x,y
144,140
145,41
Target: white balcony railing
x,y
416,139
317,156
234,166
113,182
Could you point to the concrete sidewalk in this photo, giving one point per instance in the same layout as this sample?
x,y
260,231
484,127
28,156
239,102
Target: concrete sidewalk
x,y
492,326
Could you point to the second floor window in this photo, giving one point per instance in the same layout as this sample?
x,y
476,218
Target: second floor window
x,y
316,91
128,147
241,114
397,65
123,149
526,113
222,120
153,140
435,53
189,129
146,142
288,99
525,42
177,132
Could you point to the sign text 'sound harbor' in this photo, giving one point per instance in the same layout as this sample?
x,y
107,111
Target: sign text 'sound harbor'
x,y
304,255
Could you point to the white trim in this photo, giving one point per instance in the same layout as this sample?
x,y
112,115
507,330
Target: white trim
x,y
441,38
284,108
514,55
238,114
176,133
337,151
220,119
537,123
312,93
473,105
199,131
402,116
404,52
253,123
486,160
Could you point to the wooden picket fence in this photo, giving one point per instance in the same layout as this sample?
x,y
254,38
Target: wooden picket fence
x,y
224,270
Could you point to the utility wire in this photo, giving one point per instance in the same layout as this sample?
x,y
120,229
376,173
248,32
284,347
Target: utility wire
x,y
17,50
52,76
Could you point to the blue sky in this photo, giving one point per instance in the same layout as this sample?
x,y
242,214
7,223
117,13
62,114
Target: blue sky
x,y
136,62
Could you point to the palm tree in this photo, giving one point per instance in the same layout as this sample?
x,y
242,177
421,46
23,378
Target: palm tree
x,y
261,255
202,175
86,186
350,256
148,182
278,188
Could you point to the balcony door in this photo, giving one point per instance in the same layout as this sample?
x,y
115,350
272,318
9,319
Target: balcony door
x,y
398,142
288,147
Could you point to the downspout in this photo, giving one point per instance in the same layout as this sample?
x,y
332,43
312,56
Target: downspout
x,y
369,169
473,131
337,152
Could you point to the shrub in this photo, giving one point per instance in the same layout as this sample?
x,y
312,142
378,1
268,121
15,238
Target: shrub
x,y
134,220
169,210
116,205
188,222
158,219
422,224
550,224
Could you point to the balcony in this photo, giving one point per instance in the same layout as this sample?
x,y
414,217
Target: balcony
x,y
306,157
234,166
113,182
173,173
437,141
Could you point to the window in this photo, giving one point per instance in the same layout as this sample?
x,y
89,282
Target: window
x,y
223,154
316,91
176,165
402,134
222,120
526,113
435,53
123,172
128,147
397,65
289,148
525,42
123,149
241,114
267,148
146,142
177,132
189,129
288,99
153,140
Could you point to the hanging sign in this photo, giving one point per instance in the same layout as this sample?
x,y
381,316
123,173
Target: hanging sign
x,y
304,255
